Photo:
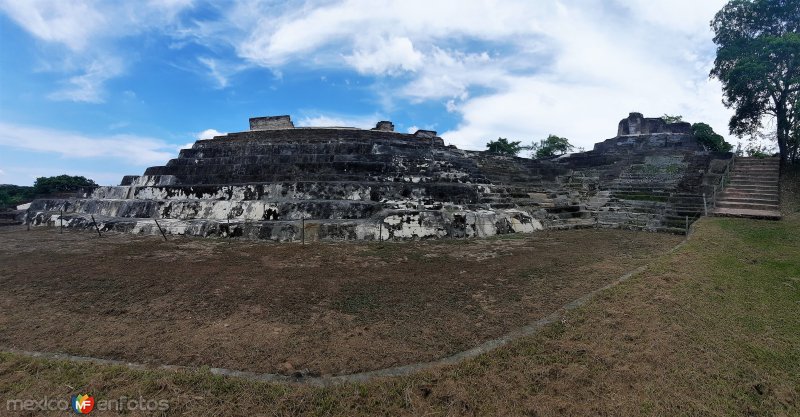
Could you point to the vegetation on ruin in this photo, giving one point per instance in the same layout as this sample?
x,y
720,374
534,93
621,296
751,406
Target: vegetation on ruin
x,y
551,147
758,63
713,141
504,147
709,329
672,118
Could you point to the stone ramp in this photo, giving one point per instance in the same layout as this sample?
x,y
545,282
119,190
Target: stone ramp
x,y
752,191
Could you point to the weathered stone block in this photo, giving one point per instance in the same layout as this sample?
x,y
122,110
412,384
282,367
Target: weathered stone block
x,y
271,122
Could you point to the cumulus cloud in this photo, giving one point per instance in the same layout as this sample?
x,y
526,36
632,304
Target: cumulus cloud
x,y
386,56
515,68
209,134
131,148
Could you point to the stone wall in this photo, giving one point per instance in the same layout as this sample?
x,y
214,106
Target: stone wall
x,y
286,184
637,124
271,122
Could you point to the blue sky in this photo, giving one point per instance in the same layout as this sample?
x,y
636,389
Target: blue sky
x,y
108,88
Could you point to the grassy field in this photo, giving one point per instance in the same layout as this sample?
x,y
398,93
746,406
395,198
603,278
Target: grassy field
x,y
711,329
318,309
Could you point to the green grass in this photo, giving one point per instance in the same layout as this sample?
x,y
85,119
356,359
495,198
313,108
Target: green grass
x,y
711,329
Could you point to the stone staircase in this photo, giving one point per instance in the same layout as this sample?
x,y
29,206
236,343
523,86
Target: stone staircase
x,y
752,190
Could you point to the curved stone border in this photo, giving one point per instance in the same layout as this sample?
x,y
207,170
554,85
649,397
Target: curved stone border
x,y
485,347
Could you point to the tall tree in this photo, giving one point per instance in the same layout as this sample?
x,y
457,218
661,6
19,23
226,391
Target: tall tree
x,y
758,62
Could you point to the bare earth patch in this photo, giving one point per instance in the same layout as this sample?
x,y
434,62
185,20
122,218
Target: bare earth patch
x,y
320,308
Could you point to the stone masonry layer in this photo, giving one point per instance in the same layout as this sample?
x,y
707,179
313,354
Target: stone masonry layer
x,y
283,183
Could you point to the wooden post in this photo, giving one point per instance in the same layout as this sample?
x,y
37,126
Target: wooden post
x,y
380,231
160,229
687,225
61,222
303,230
96,227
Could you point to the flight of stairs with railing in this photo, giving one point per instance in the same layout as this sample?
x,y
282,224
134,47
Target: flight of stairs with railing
x,y
752,190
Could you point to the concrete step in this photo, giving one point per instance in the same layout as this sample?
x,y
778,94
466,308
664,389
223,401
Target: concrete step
x,y
752,188
756,173
736,182
750,206
740,162
765,161
748,213
747,199
755,176
761,196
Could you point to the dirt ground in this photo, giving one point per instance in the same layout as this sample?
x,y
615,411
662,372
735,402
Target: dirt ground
x,y
318,309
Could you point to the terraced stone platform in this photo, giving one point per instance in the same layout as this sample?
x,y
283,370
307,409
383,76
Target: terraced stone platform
x,y
283,183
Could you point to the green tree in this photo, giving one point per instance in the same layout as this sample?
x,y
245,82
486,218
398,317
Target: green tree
x,y
503,146
61,183
672,118
550,147
13,195
712,140
758,63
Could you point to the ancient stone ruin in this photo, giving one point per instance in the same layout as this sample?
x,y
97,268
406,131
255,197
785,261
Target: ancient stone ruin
x,y
284,183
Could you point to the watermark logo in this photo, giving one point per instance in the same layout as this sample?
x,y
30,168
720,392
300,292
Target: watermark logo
x,y
82,404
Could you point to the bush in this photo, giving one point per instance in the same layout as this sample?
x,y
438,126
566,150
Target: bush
x,y
711,140
550,147
503,146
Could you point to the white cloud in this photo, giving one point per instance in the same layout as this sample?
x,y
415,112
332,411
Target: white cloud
x,y
516,68
321,120
386,56
220,70
519,69
209,134
88,87
72,23
131,148
89,30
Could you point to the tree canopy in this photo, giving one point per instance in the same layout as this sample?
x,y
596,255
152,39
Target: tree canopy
x,y
758,63
712,140
672,118
503,146
550,147
61,183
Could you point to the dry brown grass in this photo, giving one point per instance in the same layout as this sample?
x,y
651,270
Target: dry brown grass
x,y
319,309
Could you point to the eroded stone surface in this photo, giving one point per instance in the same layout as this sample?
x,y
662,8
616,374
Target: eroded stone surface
x,y
282,183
